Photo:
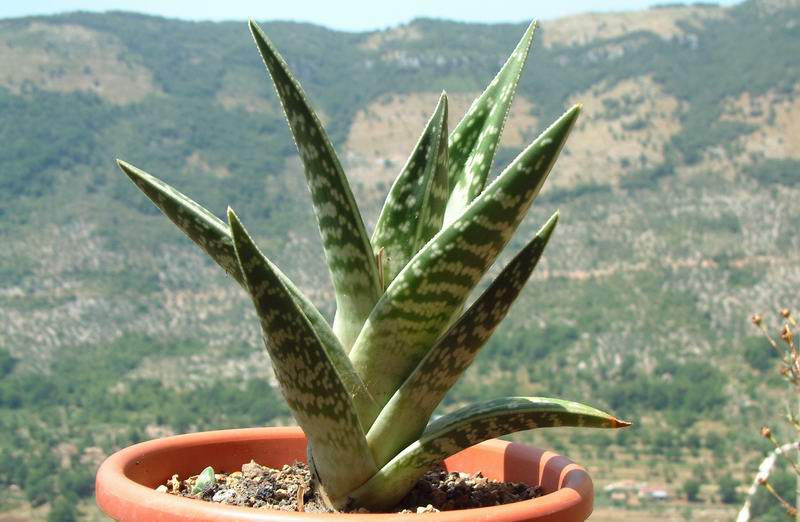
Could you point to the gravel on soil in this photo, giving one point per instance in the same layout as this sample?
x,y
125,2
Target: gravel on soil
x,y
290,489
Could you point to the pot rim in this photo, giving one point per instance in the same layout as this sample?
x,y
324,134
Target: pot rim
x,y
568,487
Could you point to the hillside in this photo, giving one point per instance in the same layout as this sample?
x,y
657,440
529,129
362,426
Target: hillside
x,y
677,194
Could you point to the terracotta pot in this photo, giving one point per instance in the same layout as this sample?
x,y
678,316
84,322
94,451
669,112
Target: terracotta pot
x,y
126,479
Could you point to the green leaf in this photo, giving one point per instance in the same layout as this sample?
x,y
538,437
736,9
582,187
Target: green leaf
x,y
467,427
474,141
421,302
201,226
414,208
309,381
354,271
214,237
205,480
403,419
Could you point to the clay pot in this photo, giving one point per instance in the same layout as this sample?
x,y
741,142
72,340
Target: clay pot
x,y
126,480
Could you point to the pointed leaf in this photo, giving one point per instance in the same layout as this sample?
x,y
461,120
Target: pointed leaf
x,y
403,419
420,303
414,208
309,381
201,226
474,141
467,427
347,247
214,237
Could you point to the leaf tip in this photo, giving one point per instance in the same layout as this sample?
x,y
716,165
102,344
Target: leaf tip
x,y
441,105
232,217
621,423
241,239
527,39
258,35
237,229
129,170
442,99
124,165
567,121
547,230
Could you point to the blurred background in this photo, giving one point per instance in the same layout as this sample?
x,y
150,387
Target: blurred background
x,y
678,221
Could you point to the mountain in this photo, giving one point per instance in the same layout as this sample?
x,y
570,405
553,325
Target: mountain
x,y
677,192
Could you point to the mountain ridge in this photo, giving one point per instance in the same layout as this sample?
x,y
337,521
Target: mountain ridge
x,y
626,139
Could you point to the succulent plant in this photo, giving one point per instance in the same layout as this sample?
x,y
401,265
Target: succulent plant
x,y
364,389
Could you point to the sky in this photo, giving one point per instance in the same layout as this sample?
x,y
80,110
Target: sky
x,y
347,15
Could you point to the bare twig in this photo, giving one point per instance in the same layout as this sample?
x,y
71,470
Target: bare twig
x,y
762,477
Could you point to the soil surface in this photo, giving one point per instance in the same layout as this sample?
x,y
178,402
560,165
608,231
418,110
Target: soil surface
x,y
289,489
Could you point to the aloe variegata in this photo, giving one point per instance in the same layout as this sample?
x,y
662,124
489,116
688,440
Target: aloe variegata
x,y
364,389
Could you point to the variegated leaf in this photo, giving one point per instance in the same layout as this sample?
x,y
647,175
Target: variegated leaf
x,y
403,419
347,248
201,226
467,427
214,237
309,381
474,141
414,208
420,303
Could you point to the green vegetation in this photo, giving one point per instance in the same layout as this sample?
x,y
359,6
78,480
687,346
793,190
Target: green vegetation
x,y
108,409
691,489
775,171
42,137
688,391
7,362
759,354
647,178
637,317
727,489
63,510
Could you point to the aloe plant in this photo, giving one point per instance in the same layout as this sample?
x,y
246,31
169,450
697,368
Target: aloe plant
x,y
364,388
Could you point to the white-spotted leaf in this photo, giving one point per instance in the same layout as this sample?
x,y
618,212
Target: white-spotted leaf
x,y
348,252
214,237
473,143
405,416
469,426
422,300
313,388
414,209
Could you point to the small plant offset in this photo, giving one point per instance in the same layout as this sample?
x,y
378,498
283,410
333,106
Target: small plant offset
x,y
364,389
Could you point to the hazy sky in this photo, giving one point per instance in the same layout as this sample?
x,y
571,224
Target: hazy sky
x,y
353,15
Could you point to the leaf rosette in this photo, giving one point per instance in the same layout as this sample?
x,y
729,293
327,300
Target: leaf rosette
x,y
364,389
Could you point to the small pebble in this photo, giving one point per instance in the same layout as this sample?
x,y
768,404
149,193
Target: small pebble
x,y
427,509
224,496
